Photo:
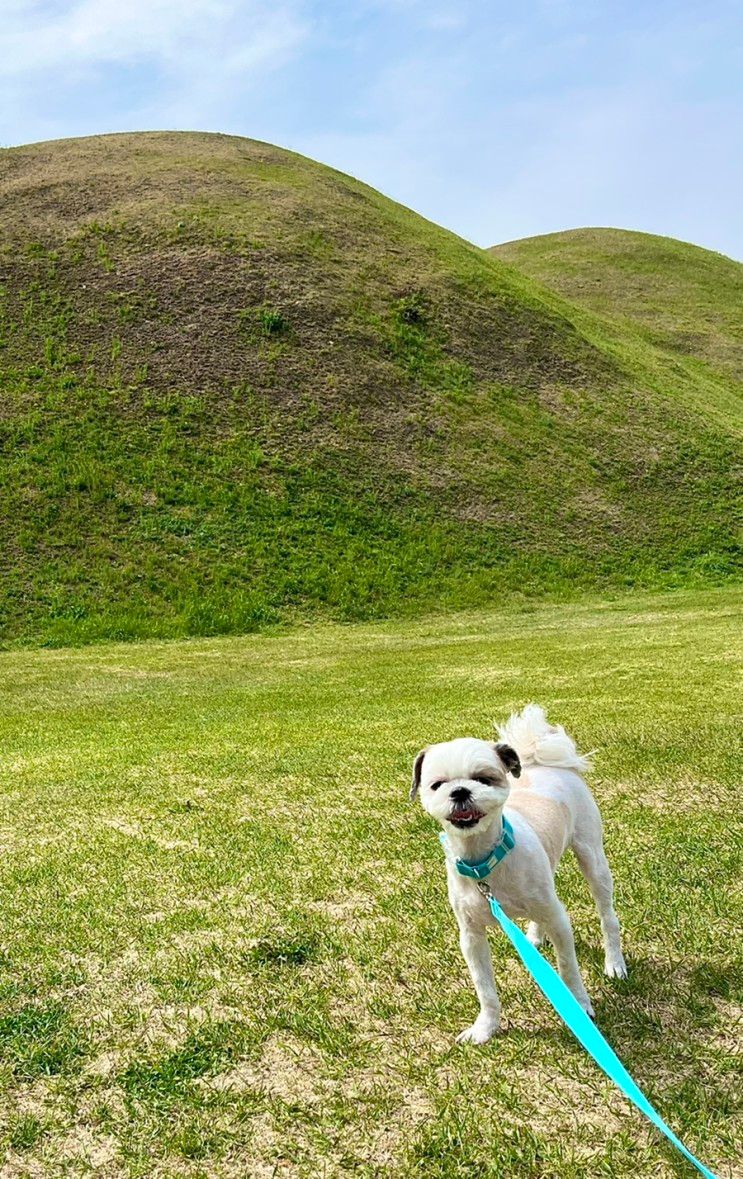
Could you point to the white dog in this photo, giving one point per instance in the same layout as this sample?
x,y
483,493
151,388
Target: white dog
x,y
532,778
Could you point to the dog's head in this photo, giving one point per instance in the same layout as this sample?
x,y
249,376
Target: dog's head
x,y
464,781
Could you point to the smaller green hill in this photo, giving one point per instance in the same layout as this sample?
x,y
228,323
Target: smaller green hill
x,y
685,299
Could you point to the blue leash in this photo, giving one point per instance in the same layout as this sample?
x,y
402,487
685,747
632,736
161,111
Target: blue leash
x,y
581,1025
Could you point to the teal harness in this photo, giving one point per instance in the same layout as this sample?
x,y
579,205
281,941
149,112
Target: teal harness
x,y
561,998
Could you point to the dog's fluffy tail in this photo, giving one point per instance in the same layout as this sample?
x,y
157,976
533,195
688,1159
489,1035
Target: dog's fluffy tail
x,y
538,743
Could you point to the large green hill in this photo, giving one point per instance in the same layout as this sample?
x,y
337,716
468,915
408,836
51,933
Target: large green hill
x,y
238,386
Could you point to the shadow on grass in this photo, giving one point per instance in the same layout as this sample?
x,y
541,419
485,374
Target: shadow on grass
x,y
660,1022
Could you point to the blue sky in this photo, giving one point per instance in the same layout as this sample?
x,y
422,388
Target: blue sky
x,y
498,120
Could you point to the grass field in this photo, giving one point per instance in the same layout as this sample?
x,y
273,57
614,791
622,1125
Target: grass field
x,y
226,948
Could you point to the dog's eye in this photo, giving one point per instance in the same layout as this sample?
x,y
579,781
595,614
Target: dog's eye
x,y
482,780
435,785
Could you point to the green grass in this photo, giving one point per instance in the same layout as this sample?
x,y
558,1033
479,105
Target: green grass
x,y
675,300
241,389
226,947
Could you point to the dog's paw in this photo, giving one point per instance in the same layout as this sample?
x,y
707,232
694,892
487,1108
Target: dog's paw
x,y
615,967
481,1031
587,1006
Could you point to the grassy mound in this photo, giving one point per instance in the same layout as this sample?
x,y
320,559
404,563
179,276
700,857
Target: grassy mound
x,y
240,387
683,299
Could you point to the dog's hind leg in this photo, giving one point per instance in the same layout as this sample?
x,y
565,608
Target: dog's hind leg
x,y
534,934
589,851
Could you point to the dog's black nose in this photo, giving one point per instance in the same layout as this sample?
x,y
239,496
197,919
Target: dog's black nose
x,y
461,794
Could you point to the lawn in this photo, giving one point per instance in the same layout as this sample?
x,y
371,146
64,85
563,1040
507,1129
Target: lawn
x,y
226,948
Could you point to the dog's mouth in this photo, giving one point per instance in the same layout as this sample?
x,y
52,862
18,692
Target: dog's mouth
x,y
465,815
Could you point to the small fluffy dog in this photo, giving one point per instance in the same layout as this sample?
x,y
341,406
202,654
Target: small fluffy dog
x,y
533,776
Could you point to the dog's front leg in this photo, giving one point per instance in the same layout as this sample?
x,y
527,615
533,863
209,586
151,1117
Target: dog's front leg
x,y
474,944
554,920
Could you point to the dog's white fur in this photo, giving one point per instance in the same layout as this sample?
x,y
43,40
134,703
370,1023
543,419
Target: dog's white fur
x,y
550,809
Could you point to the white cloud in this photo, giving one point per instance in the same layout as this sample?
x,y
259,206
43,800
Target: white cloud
x,y
35,38
495,120
87,66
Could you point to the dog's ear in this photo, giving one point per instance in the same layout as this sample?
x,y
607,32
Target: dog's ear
x,y
510,758
417,766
